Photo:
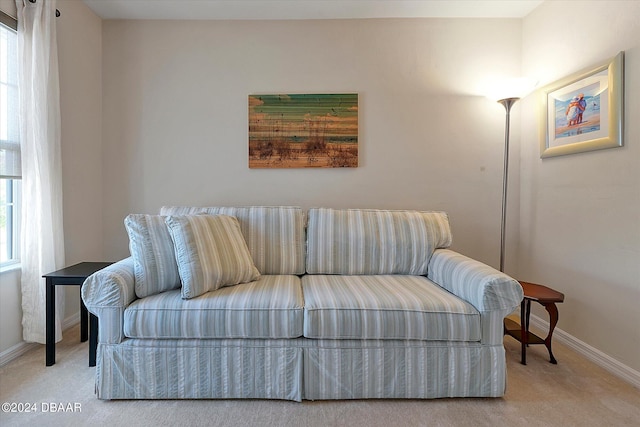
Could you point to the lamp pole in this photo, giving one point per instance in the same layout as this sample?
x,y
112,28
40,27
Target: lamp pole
x,y
507,103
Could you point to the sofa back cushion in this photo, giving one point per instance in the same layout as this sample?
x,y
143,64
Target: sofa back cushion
x,y
274,235
367,241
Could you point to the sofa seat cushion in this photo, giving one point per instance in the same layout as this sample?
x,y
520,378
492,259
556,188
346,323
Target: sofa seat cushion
x,y
385,307
270,307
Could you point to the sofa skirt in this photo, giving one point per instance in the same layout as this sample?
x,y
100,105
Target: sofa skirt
x,y
402,369
199,369
297,369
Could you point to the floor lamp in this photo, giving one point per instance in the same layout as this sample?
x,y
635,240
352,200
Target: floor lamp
x,y
507,103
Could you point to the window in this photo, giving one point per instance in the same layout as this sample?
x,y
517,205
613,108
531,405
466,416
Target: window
x,y
9,221
9,144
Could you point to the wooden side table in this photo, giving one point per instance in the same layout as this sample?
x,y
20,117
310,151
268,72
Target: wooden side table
x,y
73,275
548,298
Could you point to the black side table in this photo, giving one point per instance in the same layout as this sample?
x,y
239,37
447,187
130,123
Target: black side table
x,y
73,275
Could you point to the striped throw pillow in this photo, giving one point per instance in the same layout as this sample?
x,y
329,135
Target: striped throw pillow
x,y
154,260
211,253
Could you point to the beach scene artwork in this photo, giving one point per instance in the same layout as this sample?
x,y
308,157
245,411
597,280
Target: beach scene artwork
x,y
583,111
578,112
303,131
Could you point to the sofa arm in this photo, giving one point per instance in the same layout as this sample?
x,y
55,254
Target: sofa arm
x,y
106,293
493,293
484,287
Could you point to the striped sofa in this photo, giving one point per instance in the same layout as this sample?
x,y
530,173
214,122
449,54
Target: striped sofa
x,y
349,304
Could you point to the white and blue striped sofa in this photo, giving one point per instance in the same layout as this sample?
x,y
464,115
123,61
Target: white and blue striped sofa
x,y
350,304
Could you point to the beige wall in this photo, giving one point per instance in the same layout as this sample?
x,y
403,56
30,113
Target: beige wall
x,y
580,214
80,61
175,116
8,7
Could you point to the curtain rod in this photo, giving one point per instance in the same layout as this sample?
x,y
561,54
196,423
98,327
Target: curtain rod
x,y
57,11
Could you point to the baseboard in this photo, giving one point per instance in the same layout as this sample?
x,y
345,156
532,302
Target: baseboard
x,y
71,321
16,351
601,359
21,348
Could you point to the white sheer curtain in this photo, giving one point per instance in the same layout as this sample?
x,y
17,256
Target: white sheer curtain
x,y
42,243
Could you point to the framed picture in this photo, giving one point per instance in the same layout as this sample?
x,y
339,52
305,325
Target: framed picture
x,y
583,112
303,131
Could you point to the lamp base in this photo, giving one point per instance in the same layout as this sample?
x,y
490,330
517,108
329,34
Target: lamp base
x,y
507,103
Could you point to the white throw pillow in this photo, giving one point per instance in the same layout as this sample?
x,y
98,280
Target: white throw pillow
x,y
211,252
154,260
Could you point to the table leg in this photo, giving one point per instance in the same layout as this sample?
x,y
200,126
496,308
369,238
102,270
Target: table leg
x,y
84,322
528,319
553,321
50,332
93,339
524,332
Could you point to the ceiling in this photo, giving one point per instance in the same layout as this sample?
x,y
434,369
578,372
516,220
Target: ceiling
x,y
309,9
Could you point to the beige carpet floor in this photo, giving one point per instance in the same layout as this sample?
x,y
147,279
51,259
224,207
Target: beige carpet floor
x,y
573,393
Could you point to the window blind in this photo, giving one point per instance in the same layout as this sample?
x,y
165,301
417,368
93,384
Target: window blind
x,y
10,162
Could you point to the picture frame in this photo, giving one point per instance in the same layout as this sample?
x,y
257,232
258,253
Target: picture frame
x,y
584,111
303,130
